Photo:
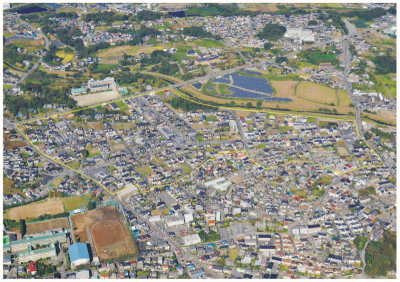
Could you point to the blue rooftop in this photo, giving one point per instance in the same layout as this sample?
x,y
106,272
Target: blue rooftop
x,y
78,251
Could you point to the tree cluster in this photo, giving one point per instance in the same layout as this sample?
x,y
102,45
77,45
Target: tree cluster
x,y
385,64
107,17
187,106
272,32
380,255
197,31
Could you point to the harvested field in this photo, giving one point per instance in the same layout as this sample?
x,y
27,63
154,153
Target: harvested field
x,y
13,144
37,209
342,151
109,233
90,99
41,226
284,89
316,93
118,147
97,126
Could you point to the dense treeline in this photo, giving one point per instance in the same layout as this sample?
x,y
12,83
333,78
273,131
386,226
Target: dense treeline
x,y
47,217
385,64
336,20
220,10
382,134
11,56
380,256
272,32
67,15
366,15
166,68
196,31
51,56
141,78
146,15
108,17
360,242
188,106
50,95
393,10
156,57
143,31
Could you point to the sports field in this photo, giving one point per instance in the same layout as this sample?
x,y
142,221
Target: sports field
x,y
37,209
41,226
109,233
90,99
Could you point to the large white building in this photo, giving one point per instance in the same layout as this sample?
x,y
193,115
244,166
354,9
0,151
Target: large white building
x,y
101,85
303,34
191,239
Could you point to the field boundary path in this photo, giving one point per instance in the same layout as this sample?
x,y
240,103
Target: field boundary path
x,y
218,107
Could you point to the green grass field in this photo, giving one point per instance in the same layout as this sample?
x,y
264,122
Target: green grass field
x,y
122,105
108,67
209,43
73,203
223,89
6,86
145,170
186,168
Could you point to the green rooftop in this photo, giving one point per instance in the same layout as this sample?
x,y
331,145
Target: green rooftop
x,y
78,90
6,240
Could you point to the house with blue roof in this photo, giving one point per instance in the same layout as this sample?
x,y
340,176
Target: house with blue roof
x,y
78,254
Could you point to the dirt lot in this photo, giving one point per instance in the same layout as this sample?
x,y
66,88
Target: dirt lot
x,y
90,99
317,93
36,227
284,89
35,210
11,144
107,227
343,151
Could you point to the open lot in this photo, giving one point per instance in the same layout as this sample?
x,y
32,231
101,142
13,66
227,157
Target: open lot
x,y
90,99
13,144
342,151
316,92
37,209
110,235
42,226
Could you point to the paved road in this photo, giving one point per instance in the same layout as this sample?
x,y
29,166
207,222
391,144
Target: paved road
x,y
35,66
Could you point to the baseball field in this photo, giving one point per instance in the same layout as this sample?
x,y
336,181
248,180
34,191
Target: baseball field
x,y
108,231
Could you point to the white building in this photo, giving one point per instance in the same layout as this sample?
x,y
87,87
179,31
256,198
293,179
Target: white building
x,y
191,240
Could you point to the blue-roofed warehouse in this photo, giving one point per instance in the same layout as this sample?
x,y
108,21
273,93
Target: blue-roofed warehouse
x,y
78,254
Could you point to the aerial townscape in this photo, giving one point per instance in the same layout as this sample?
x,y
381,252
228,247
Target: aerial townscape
x,y
199,140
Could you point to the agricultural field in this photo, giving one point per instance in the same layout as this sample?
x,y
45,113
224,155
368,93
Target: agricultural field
x,y
41,226
65,56
37,209
109,232
209,43
31,45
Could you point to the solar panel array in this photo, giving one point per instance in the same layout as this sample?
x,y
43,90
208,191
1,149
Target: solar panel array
x,y
210,88
239,93
225,79
252,72
197,85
